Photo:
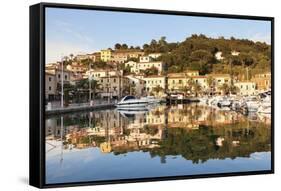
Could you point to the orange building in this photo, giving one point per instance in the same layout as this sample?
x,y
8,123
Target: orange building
x,y
263,81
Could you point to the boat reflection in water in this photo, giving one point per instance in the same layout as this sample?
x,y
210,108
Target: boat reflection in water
x,y
155,142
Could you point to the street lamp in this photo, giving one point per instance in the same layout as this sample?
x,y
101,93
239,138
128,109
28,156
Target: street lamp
x,y
62,82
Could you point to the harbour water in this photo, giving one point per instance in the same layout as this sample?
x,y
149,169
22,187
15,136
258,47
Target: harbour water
x,y
183,139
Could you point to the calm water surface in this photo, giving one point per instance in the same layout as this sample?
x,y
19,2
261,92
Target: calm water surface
x,y
161,141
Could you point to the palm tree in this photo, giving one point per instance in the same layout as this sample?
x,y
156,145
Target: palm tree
x,y
224,88
95,86
185,90
197,89
190,84
210,82
158,89
71,56
132,88
82,86
234,89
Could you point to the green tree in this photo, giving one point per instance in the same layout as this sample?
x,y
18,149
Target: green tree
x,y
196,89
158,89
124,46
224,88
117,46
151,71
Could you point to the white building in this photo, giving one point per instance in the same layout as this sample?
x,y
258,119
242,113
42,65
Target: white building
x,y
246,88
96,74
138,67
235,53
154,55
219,56
145,59
148,65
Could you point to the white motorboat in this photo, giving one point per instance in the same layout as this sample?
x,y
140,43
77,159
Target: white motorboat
x,y
131,102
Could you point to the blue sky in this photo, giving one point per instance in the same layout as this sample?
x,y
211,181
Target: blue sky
x,y
85,31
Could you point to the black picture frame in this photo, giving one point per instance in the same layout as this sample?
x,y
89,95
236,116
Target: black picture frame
x,y
37,83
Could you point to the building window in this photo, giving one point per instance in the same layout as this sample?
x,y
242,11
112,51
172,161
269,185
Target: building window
x,y
59,75
50,88
50,79
65,77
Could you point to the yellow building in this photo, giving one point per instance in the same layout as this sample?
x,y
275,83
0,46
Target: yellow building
x,y
201,81
151,82
220,79
263,81
178,81
106,55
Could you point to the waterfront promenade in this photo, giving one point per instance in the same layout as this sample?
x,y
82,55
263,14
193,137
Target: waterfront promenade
x,y
55,108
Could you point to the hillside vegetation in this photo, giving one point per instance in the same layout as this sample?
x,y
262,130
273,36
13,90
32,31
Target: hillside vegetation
x,y
198,53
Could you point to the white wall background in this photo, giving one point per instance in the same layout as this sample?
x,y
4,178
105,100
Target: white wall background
x,y
14,39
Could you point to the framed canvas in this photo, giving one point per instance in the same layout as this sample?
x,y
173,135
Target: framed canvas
x,y
122,95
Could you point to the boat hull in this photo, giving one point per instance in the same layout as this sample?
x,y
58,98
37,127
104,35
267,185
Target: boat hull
x,y
131,105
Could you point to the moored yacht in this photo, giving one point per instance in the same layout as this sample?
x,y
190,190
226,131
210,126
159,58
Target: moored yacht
x,y
130,102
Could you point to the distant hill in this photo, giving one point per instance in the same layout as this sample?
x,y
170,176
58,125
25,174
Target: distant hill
x,y
198,52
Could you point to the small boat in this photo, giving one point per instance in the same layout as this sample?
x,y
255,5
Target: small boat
x,y
264,109
252,104
131,102
203,100
224,102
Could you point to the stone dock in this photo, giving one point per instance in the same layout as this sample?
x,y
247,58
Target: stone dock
x,y
65,110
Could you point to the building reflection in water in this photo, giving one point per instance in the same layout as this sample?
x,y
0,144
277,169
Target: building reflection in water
x,y
196,132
